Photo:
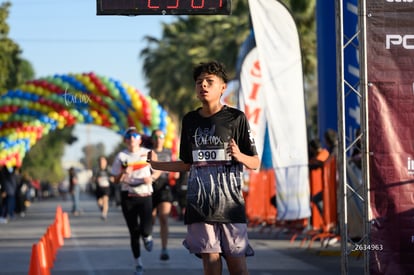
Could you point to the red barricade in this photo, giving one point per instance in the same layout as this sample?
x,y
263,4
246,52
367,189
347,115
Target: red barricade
x,y
261,189
316,186
330,214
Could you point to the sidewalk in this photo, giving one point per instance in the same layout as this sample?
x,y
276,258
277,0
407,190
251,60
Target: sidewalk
x,y
102,247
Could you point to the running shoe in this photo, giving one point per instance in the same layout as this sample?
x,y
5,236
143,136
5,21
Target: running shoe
x,y
139,270
148,243
164,255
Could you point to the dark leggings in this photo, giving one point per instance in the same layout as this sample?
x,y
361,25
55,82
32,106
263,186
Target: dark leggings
x,y
138,217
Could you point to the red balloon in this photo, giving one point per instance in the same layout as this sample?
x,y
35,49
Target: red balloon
x,y
64,113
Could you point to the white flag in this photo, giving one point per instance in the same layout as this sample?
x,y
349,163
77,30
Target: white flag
x,y
251,98
278,47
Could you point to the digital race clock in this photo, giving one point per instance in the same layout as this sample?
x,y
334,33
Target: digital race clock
x,y
163,7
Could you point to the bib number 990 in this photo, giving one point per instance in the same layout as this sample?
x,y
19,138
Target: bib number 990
x,y
209,155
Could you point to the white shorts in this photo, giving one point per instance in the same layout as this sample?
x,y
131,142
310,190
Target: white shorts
x,y
228,239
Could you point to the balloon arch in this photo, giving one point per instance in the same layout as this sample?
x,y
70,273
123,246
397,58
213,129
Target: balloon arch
x,y
42,105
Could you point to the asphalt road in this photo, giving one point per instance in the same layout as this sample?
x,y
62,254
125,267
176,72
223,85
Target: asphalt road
x,y
102,247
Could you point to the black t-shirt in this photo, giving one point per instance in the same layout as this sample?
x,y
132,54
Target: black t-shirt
x,y
215,180
102,177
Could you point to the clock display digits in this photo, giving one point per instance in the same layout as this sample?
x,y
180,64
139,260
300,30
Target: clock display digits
x,y
163,7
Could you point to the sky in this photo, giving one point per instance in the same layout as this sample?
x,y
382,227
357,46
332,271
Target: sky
x,y
61,37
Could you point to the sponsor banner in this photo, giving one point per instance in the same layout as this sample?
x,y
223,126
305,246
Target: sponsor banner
x,y
390,57
251,96
278,49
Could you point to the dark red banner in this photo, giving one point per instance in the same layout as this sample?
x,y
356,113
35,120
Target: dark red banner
x,y
390,53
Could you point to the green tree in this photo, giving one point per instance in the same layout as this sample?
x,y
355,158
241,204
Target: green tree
x,y
43,160
188,41
14,70
91,154
168,61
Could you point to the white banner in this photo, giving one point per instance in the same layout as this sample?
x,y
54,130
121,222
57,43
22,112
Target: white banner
x,y
251,97
279,53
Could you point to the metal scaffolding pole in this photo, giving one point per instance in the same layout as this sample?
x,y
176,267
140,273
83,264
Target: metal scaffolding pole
x,y
365,129
342,211
346,191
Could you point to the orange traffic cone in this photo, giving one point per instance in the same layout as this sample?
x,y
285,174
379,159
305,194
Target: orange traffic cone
x,y
59,211
34,268
44,267
57,235
66,226
59,218
52,243
48,250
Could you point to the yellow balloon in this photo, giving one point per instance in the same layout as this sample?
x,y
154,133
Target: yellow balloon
x,y
12,162
32,140
94,114
91,87
31,88
137,104
170,128
130,90
53,115
169,135
139,127
98,120
168,143
39,91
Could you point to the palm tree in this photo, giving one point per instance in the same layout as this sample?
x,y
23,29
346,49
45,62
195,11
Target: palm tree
x,y
168,61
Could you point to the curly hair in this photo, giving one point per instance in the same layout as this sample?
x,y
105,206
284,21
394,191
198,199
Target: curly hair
x,y
212,67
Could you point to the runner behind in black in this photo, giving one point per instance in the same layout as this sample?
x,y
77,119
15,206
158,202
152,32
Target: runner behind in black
x,y
102,179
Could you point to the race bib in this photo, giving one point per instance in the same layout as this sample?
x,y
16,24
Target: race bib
x,y
209,155
103,182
